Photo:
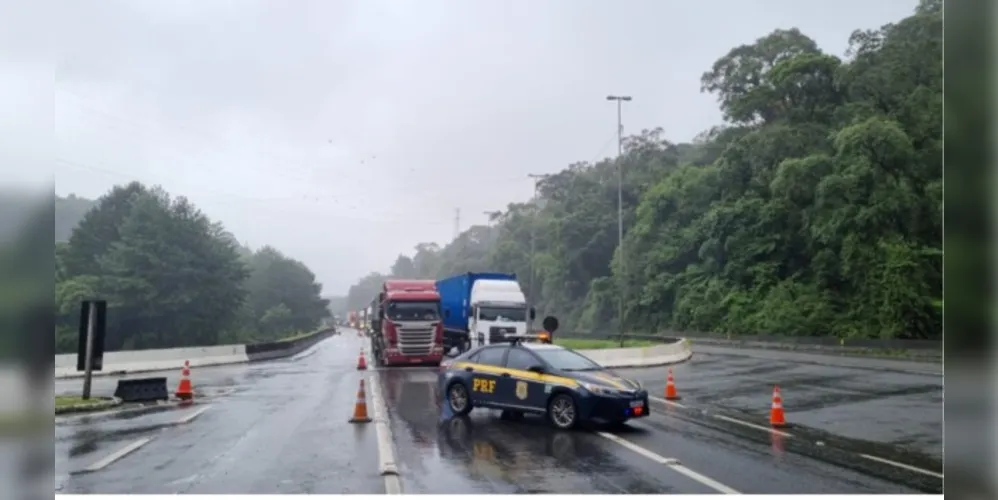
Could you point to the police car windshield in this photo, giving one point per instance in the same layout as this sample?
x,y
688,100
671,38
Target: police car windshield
x,y
563,359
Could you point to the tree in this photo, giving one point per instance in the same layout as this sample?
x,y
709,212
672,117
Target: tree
x,y
815,210
172,277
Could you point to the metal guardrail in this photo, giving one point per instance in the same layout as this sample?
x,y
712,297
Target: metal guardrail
x,y
831,342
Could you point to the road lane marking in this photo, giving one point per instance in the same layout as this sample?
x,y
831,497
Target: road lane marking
x,y
386,455
672,463
901,465
114,457
754,426
655,457
704,480
666,401
187,419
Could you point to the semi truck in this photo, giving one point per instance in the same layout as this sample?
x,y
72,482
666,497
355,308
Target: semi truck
x,y
482,308
406,327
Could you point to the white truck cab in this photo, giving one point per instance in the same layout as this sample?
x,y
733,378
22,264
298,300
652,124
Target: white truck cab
x,y
497,308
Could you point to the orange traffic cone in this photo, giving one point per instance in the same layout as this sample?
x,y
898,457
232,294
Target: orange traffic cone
x,y
360,409
670,388
361,362
184,390
776,417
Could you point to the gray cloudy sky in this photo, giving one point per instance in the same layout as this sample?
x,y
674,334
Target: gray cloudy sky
x,y
344,132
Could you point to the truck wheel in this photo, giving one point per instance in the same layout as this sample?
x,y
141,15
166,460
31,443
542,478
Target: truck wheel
x,y
458,399
562,411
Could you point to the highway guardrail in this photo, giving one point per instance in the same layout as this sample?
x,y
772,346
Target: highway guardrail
x,y
154,360
670,351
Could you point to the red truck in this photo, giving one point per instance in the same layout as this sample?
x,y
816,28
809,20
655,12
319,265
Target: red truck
x,y
406,327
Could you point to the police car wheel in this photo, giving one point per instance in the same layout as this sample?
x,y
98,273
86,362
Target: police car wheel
x,y
457,399
562,411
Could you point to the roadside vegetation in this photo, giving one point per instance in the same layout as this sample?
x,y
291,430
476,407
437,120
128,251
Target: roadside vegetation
x,y
814,210
173,277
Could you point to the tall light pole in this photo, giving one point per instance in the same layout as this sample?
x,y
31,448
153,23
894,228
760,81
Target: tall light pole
x,y
533,246
620,211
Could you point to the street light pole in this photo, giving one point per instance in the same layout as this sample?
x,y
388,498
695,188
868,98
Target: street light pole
x,y
620,212
533,247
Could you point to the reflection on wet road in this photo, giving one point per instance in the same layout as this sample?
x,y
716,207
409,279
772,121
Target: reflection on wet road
x,y
486,453
281,427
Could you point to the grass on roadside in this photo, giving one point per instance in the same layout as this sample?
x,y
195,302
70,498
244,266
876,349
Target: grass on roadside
x,y
579,344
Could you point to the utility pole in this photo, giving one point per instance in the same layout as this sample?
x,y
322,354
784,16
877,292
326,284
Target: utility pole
x,y
533,246
457,223
620,212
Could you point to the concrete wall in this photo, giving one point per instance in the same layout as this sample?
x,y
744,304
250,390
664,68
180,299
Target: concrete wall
x,y
676,351
152,360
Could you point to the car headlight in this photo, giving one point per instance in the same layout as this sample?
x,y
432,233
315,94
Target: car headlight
x,y
598,389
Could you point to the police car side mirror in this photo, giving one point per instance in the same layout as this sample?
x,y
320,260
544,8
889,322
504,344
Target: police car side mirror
x,y
536,369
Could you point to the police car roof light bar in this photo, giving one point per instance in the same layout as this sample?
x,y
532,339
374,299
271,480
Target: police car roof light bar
x,y
516,338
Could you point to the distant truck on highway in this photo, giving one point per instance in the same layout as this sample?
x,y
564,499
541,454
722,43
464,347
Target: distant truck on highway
x,y
481,308
406,327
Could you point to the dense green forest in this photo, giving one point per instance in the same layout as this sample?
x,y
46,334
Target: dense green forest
x,y
815,209
171,276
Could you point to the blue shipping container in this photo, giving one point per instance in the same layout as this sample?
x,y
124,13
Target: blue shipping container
x,y
455,295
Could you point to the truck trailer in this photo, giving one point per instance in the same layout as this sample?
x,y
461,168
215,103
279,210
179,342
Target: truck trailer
x,y
482,308
406,327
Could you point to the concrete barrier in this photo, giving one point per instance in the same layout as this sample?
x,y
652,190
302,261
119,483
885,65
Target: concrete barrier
x,y
667,353
155,360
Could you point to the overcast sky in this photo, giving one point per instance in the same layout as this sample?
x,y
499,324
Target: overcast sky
x,y
344,132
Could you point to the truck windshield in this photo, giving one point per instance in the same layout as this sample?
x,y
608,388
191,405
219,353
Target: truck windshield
x,y
413,311
563,359
503,314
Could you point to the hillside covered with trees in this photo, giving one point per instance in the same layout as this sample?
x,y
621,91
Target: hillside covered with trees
x,y
815,209
172,277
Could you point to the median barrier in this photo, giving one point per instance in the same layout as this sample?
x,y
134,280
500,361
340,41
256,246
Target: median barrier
x,y
670,351
118,363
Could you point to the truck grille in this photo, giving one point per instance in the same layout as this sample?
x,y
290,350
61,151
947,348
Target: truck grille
x,y
415,339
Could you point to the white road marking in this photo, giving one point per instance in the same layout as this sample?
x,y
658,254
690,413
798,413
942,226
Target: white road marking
x,y
187,418
114,457
386,455
901,465
666,401
754,426
671,463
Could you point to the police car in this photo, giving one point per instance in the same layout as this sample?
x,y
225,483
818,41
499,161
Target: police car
x,y
524,377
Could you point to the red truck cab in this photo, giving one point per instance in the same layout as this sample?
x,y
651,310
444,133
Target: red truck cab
x,y
408,329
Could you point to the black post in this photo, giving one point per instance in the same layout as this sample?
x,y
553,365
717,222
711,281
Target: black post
x,y
88,354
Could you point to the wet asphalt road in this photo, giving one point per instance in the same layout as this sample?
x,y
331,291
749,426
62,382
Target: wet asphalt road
x,y
280,427
897,403
277,427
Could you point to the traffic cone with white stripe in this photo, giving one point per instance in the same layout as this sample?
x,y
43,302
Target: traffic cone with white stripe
x,y
185,392
670,388
360,409
361,362
776,417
